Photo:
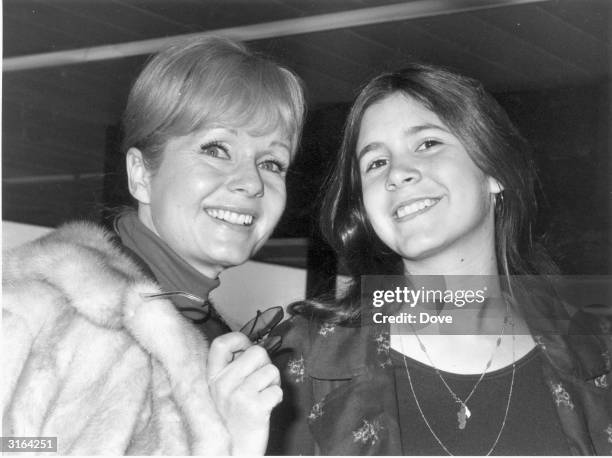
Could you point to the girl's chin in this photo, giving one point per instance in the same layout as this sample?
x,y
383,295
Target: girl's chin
x,y
418,251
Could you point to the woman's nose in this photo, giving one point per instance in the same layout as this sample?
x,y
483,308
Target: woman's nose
x,y
247,180
402,174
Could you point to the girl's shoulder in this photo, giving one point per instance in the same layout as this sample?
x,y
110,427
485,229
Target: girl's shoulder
x,y
307,333
324,350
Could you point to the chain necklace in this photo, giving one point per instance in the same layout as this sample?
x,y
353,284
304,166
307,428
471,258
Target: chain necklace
x,y
464,412
503,424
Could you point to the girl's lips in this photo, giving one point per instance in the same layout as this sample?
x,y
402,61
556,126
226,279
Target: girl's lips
x,y
414,207
235,217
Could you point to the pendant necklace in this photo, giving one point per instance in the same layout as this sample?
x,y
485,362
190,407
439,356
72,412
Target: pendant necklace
x,y
464,413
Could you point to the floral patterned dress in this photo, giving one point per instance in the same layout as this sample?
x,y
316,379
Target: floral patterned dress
x,y
339,396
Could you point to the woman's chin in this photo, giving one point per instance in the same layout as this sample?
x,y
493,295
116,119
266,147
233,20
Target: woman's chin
x,y
211,264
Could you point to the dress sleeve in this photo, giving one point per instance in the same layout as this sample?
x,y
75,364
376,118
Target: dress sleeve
x,y
289,430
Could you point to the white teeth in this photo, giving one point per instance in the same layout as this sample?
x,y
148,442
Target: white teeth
x,y
231,217
415,207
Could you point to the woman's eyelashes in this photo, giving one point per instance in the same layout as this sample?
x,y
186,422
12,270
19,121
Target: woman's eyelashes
x,y
220,150
273,165
215,149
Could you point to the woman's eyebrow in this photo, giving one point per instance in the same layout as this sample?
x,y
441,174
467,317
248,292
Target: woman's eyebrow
x,y
416,129
218,126
281,144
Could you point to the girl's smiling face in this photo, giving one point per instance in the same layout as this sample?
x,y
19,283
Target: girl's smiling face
x,y
217,195
422,193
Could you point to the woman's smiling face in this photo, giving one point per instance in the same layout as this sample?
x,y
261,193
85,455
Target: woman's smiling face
x,y
217,195
422,192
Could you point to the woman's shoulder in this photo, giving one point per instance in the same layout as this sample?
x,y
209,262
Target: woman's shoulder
x,y
81,262
74,239
81,248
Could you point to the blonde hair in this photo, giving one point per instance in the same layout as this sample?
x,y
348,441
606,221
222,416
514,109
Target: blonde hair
x,y
213,80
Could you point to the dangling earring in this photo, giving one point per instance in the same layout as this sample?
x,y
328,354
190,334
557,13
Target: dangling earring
x,y
499,199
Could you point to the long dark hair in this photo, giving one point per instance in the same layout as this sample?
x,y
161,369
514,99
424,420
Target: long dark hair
x,y
491,140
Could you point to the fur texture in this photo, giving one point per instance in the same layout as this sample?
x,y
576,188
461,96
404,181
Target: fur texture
x,y
86,359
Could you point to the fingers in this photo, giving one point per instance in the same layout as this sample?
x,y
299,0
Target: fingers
x,y
262,378
222,351
241,369
245,388
256,395
271,397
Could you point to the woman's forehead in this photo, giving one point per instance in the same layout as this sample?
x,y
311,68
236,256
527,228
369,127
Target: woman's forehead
x,y
278,131
256,123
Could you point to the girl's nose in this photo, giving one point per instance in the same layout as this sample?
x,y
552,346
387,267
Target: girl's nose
x,y
402,174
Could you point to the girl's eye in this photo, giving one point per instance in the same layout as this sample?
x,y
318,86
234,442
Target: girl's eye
x,y
427,144
215,149
273,166
376,164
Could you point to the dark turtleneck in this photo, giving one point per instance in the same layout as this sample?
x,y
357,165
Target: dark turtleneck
x,y
171,271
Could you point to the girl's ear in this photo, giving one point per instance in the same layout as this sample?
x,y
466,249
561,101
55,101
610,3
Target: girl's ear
x,y
495,187
139,178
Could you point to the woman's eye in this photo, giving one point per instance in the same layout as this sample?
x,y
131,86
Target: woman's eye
x,y
376,164
427,144
215,149
273,166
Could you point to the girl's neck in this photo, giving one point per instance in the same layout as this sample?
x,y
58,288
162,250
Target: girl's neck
x,y
472,256
470,264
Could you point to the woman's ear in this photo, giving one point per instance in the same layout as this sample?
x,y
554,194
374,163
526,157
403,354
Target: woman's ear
x,y
139,178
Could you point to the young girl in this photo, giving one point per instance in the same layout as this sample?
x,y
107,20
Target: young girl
x,y
432,179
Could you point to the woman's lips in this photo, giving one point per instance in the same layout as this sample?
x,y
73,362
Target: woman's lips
x,y
231,216
414,207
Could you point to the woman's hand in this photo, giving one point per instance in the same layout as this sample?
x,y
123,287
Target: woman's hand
x,y
245,387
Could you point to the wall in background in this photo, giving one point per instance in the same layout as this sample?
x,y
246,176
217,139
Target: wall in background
x,y
15,234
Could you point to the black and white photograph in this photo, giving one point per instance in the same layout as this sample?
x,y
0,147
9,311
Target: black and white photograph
x,y
307,227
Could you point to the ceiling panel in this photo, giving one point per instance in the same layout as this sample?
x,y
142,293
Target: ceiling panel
x,y
591,16
557,38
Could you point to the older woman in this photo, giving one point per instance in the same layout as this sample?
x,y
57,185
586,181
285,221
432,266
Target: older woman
x,y
96,350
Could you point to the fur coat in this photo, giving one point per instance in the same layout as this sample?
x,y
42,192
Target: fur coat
x,y
86,359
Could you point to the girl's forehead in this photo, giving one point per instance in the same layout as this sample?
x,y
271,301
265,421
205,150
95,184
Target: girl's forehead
x,y
398,112
404,104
